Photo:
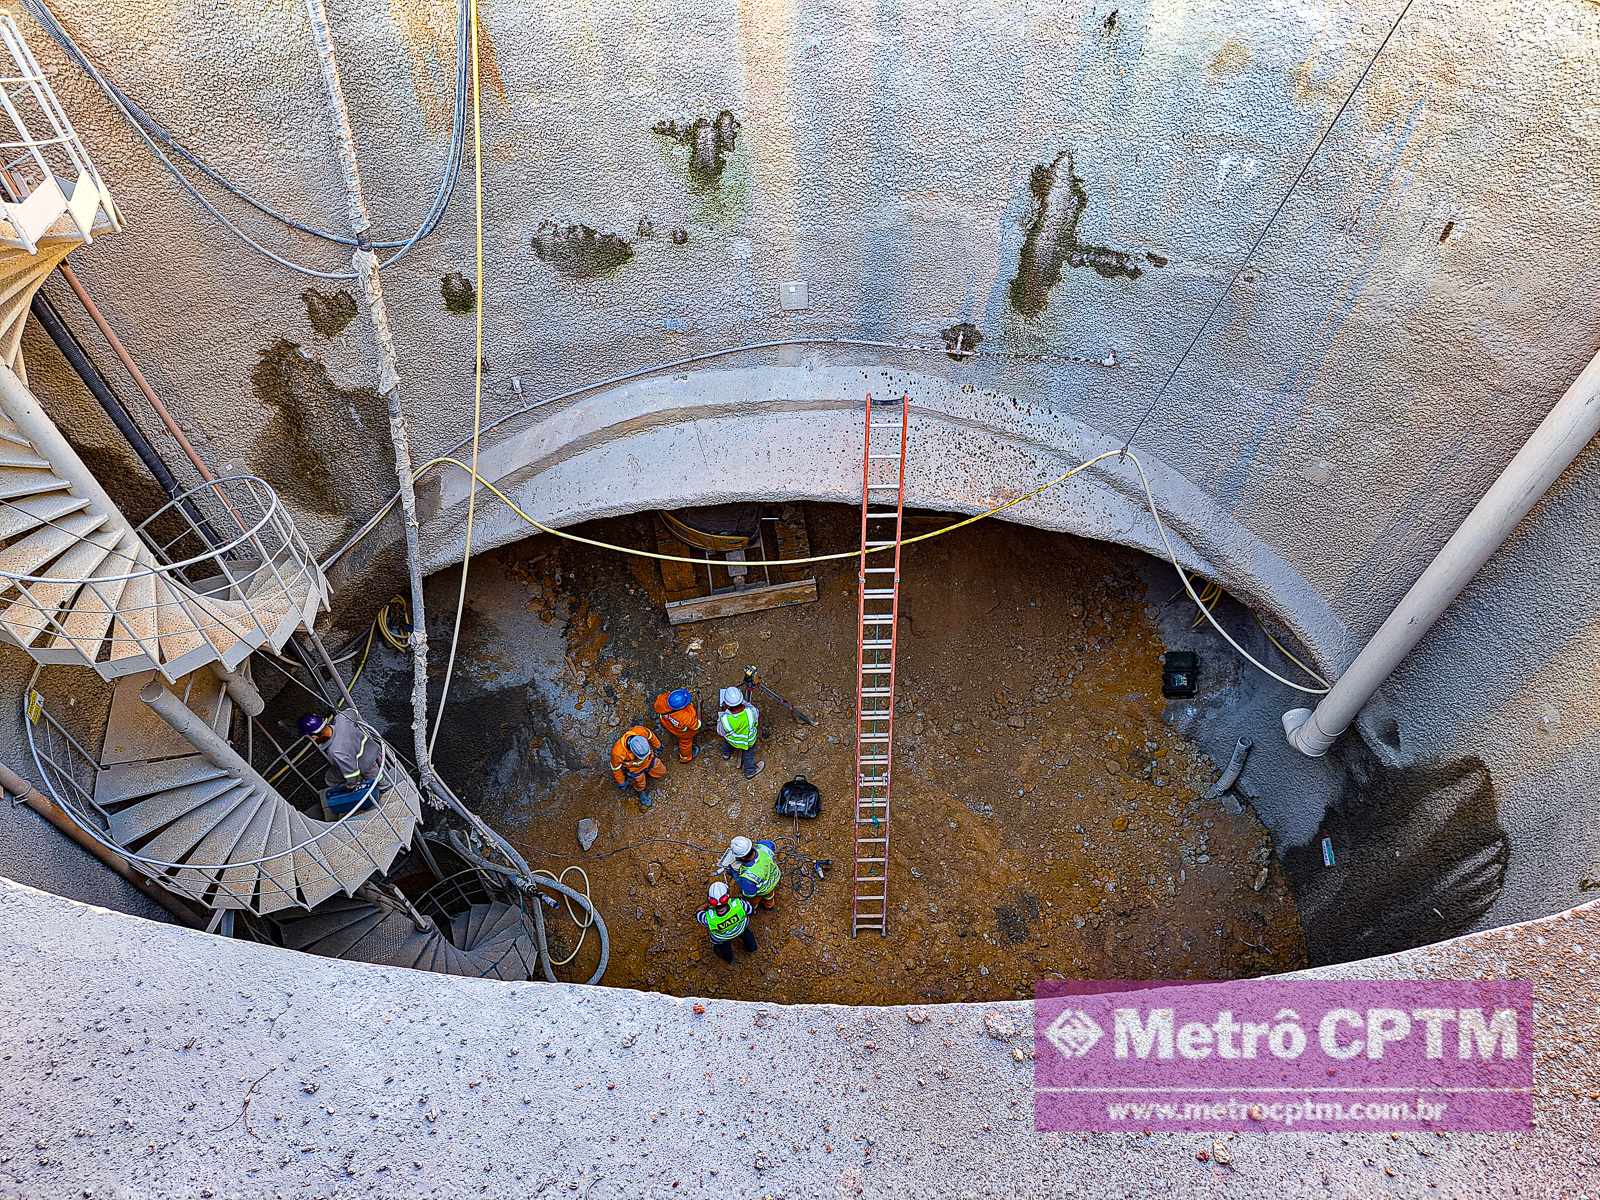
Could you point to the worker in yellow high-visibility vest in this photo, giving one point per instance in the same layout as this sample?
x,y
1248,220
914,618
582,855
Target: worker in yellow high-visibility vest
x,y
739,724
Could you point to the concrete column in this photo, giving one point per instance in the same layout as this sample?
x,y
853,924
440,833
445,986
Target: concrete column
x,y
242,691
1561,436
201,736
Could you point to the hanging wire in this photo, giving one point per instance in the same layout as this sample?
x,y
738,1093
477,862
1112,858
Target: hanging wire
x,y
156,135
1250,253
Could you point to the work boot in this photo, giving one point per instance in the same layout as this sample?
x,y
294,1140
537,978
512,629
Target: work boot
x,y
760,766
645,801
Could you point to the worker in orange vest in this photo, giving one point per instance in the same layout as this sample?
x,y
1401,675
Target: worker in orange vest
x,y
676,712
634,762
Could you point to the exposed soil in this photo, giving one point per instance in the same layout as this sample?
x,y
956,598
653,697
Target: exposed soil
x,y
1047,822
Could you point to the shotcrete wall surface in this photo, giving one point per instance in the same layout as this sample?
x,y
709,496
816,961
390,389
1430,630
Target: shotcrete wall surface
x,y
1065,185
228,1069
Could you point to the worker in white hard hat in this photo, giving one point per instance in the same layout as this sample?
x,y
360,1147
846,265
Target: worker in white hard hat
x,y
752,867
739,723
727,919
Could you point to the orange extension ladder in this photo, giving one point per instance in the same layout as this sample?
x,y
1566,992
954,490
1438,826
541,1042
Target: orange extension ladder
x,y
883,495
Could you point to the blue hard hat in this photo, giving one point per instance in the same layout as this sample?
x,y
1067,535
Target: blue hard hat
x,y
679,698
312,724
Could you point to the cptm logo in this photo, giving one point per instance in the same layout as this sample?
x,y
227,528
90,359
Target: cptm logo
x,y
1074,1033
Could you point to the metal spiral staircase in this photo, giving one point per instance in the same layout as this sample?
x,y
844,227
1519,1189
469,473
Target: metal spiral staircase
x,y
141,753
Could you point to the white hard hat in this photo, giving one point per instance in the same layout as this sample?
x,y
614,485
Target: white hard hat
x,y
638,745
732,697
717,892
739,847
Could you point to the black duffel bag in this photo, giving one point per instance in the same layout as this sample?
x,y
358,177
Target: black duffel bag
x,y
798,798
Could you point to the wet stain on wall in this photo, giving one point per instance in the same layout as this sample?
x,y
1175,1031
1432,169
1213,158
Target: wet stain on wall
x,y
427,28
961,340
1420,855
710,141
579,251
460,296
321,445
1052,242
328,312
1230,59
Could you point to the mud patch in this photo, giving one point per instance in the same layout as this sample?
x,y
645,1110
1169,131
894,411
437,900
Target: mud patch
x,y
961,340
321,445
328,312
1420,855
1052,242
460,296
579,251
710,141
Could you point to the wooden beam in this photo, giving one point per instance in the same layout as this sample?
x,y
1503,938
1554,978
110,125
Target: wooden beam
x,y
731,604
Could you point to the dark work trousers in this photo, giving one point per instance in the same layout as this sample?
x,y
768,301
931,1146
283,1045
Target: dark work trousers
x,y
747,759
725,949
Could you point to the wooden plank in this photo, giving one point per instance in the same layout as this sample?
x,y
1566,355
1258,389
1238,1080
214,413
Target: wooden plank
x,y
680,581
730,604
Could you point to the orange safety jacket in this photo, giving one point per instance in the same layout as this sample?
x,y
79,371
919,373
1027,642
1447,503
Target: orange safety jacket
x,y
677,722
622,759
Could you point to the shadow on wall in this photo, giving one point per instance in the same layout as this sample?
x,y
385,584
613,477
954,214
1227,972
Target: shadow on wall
x,y
1421,856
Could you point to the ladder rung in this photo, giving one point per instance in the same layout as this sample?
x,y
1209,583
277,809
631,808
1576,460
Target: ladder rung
x,y
878,619
874,737
878,899
876,593
876,692
877,644
883,514
867,860
876,715
872,839
877,669
874,760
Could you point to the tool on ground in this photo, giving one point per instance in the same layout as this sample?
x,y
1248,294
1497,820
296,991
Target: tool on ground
x,y
752,682
883,498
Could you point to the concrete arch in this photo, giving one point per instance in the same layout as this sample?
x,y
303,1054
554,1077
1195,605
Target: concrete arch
x,y
792,432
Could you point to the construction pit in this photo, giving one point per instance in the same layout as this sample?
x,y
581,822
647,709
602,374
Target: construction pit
x,y
1049,821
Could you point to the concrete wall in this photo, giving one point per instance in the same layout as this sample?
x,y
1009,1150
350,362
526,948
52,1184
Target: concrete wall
x,y
1068,181
305,1076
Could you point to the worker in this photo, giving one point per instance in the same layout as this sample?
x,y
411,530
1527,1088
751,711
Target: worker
x,y
634,762
753,869
354,754
676,712
726,919
739,723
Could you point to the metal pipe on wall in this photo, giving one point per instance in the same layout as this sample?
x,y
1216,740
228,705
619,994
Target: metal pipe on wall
x,y
365,263
1560,437
51,812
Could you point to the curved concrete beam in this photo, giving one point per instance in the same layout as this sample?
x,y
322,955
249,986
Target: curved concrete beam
x,y
793,433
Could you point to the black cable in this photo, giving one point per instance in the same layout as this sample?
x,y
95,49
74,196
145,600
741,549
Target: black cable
x,y
1245,262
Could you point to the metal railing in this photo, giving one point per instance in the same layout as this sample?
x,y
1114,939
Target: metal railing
x,y
251,589
70,772
456,894
44,152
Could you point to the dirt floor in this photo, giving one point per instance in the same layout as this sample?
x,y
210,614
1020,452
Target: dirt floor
x,y
1047,823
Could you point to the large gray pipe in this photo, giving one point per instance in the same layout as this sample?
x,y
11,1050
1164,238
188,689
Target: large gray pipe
x,y
1561,436
200,735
